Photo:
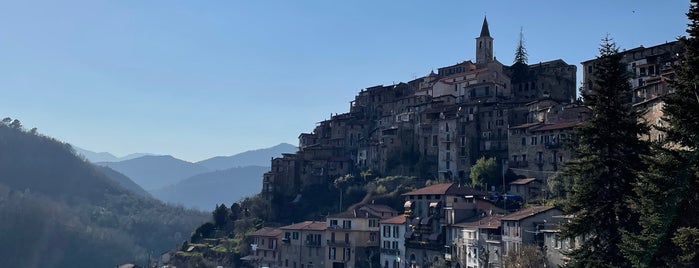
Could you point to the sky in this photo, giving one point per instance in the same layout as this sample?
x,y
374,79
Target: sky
x,y
197,79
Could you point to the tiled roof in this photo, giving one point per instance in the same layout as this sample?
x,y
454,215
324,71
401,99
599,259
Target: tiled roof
x,y
380,208
523,181
527,125
490,222
400,219
560,125
306,225
267,231
527,212
445,189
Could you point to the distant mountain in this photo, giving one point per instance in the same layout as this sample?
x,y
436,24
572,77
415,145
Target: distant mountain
x,y
95,157
122,180
58,210
153,172
204,191
259,157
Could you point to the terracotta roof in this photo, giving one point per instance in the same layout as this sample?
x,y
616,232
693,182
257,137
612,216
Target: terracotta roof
x,y
523,181
527,125
400,219
306,225
380,208
267,231
559,125
490,222
445,189
527,212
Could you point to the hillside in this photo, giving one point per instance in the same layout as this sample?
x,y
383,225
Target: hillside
x,y
58,210
123,181
259,157
205,191
154,172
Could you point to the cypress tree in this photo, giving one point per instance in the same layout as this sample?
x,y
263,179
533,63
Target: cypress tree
x,y
608,153
668,194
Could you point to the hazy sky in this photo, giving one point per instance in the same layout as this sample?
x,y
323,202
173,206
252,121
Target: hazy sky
x,y
196,79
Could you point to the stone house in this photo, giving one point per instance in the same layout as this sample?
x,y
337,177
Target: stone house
x,y
524,227
302,245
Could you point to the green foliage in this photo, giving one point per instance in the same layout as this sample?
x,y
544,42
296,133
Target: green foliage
x,y
687,239
221,216
521,53
607,165
57,205
485,172
668,192
205,230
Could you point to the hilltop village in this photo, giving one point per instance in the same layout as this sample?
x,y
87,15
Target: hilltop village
x,y
434,128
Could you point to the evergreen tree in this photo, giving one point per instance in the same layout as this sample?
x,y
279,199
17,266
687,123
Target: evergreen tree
x,y
521,55
608,160
221,216
668,195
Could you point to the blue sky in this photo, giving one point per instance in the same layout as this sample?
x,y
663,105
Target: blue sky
x,y
196,79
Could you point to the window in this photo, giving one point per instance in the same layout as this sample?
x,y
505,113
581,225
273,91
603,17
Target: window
x,y
533,140
386,244
346,237
373,223
287,235
524,141
331,253
333,222
434,140
346,255
396,233
373,237
295,235
347,224
395,244
387,231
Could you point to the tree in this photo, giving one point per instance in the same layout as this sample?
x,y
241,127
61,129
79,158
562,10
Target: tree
x,y
221,216
521,55
484,172
606,167
668,195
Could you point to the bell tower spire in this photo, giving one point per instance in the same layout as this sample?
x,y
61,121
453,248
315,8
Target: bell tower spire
x,y
484,44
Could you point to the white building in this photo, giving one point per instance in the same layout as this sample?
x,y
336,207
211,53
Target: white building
x,y
392,241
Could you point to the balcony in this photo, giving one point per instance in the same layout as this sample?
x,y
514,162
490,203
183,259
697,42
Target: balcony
x,y
390,251
493,238
333,243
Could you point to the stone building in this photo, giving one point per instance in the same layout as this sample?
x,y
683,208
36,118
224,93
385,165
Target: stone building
x,y
433,127
650,72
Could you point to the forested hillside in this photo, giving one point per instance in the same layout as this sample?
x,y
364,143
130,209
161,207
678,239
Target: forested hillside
x,y
58,210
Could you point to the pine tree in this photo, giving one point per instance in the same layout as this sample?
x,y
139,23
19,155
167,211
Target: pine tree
x,y
668,194
608,160
521,55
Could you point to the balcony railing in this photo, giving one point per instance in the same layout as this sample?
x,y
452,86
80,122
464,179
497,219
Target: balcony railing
x,y
333,243
390,251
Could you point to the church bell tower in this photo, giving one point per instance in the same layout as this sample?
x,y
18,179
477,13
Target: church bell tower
x,y
484,45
